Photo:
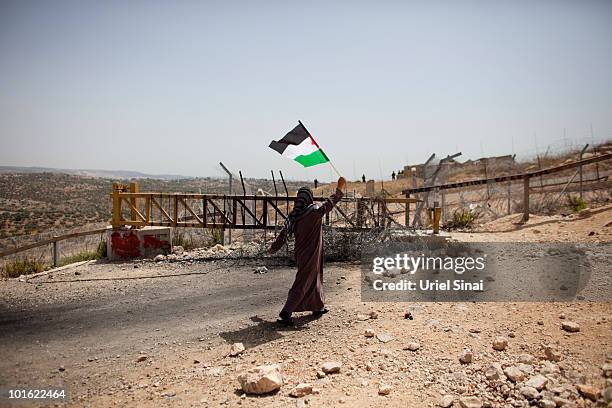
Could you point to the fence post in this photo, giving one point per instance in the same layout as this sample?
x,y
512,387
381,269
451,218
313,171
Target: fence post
x,y
56,257
509,197
360,212
525,198
175,214
133,200
580,167
407,213
437,213
116,222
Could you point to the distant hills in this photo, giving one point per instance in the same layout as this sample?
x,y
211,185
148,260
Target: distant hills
x,y
108,174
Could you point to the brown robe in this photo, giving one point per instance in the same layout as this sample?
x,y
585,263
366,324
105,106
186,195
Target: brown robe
x,y
306,294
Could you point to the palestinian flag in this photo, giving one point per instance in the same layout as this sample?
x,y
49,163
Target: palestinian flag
x,y
300,146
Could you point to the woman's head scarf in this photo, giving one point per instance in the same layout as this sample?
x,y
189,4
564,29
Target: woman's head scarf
x,y
302,205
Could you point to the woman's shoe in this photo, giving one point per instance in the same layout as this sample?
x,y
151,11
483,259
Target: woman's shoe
x,y
285,319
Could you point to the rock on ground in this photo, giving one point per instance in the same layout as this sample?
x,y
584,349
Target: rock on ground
x,y
494,372
514,374
607,394
384,337
446,401
529,392
570,326
236,349
384,389
470,402
331,367
552,353
500,343
301,390
588,392
466,357
546,403
537,381
261,379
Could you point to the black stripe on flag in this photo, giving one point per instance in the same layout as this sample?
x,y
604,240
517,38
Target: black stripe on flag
x,y
295,137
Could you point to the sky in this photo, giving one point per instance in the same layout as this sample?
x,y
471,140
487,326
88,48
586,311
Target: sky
x,y
174,87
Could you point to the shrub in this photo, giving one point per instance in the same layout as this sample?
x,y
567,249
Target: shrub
x,y
215,233
22,266
101,251
462,219
576,204
81,256
181,239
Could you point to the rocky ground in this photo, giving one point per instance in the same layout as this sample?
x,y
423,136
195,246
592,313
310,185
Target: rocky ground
x,y
164,332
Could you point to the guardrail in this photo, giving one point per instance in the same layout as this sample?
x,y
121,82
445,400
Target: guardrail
x,y
53,240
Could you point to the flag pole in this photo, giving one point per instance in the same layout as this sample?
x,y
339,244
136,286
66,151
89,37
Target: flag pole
x,y
335,169
328,160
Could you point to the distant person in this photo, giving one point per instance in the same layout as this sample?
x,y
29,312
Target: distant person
x,y
305,223
393,176
363,178
316,183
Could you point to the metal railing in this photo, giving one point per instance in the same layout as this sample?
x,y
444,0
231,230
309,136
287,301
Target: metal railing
x,y
138,209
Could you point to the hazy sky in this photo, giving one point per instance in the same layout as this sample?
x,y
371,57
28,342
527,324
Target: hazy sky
x,y
177,86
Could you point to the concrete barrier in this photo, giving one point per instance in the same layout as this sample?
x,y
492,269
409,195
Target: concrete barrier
x,y
147,242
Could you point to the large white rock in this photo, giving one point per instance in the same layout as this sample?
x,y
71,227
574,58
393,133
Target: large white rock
x,y
261,379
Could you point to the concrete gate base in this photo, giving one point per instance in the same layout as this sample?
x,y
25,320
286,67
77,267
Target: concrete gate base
x,y
147,242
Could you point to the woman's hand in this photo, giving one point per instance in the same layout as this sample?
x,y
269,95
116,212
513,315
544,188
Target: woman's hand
x,y
341,183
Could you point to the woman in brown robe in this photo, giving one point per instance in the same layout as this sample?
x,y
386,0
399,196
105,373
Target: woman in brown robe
x,y
305,222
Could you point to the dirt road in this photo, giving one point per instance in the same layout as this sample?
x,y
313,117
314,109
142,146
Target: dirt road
x,y
158,334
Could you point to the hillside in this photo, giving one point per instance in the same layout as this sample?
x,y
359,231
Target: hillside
x,y
40,203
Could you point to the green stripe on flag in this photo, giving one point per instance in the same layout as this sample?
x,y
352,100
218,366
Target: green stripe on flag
x,y
312,159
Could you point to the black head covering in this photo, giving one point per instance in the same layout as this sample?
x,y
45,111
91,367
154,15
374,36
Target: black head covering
x,y
302,205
